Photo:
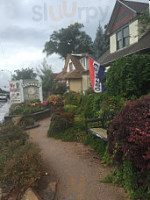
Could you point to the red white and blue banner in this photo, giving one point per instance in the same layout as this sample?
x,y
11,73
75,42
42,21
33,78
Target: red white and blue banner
x,y
96,76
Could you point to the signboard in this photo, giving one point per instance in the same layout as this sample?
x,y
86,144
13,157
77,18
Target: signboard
x,y
22,90
31,89
15,96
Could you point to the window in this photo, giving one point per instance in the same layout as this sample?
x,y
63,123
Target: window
x,y
126,36
17,85
84,62
70,67
123,38
119,40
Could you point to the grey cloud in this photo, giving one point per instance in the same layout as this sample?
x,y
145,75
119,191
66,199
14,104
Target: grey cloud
x,y
27,36
20,33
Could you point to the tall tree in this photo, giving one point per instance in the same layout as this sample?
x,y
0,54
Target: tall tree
x,y
144,20
69,40
59,87
45,73
26,73
101,42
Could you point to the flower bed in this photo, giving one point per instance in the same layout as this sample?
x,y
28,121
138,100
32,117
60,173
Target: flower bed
x,y
27,108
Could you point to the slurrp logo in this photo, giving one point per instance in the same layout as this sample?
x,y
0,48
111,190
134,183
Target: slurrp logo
x,y
68,10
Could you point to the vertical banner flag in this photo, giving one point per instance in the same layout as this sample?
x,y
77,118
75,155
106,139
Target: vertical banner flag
x,y
96,76
101,74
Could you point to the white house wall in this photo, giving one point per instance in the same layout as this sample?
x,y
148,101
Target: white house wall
x,y
113,43
133,30
134,36
85,82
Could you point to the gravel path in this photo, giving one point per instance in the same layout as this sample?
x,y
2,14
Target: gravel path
x,y
77,166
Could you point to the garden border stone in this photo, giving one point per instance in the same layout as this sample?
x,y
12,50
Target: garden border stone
x,y
37,116
35,125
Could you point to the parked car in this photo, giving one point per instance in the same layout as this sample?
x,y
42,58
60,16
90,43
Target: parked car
x,y
3,97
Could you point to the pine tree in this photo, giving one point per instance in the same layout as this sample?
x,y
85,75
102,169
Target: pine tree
x,y
101,42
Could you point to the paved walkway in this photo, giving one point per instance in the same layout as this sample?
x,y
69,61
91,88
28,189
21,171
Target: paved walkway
x,y
77,166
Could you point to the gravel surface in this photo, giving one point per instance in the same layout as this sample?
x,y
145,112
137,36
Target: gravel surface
x,y
78,168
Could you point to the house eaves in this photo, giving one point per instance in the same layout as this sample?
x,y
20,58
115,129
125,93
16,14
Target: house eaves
x,y
134,7
124,4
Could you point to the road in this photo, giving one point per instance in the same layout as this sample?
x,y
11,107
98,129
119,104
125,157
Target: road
x,y
4,109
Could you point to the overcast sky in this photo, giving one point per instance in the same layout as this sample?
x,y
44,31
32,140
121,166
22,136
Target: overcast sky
x,y
26,25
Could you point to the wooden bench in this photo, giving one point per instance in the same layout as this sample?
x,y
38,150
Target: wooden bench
x,y
101,125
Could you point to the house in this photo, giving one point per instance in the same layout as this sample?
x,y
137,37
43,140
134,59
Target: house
x,y
124,32
76,72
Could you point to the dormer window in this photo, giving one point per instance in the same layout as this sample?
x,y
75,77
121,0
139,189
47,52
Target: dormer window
x,y
123,38
84,62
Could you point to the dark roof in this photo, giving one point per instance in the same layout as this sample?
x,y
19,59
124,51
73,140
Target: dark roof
x,y
135,7
58,75
138,7
75,74
75,61
142,46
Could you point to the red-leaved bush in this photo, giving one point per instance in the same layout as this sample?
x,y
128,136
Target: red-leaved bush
x,y
129,135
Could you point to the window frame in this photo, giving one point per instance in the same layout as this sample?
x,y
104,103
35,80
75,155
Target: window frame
x,y
123,38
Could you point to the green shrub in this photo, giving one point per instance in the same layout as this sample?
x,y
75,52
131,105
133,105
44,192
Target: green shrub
x,y
72,98
70,108
127,176
93,105
79,122
70,134
98,145
27,121
60,121
25,109
129,76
